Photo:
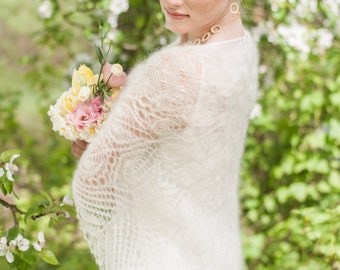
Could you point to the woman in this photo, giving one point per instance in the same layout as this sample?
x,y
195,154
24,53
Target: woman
x,y
158,187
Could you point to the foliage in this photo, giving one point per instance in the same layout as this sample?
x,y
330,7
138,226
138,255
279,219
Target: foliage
x,y
291,169
19,252
292,159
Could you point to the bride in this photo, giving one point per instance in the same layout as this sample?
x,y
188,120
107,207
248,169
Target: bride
x,y
158,187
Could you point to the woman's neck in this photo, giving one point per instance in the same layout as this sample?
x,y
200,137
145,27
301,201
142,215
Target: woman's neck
x,y
230,24
229,30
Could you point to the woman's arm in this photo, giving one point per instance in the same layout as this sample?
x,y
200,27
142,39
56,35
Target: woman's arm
x,y
158,100
78,147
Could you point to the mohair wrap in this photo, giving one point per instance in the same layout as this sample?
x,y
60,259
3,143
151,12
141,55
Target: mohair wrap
x,y
157,189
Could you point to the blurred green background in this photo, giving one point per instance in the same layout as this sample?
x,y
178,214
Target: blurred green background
x,y
291,170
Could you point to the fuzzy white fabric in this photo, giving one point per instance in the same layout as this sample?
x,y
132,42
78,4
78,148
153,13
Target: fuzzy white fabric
x,y
158,187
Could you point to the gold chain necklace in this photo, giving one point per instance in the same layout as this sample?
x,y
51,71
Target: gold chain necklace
x,y
216,28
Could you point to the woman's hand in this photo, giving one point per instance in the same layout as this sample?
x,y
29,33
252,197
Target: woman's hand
x,y
78,148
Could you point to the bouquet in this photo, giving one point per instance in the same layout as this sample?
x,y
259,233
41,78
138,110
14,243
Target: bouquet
x,y
80,112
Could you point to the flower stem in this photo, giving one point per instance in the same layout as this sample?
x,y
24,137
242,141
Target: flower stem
x,y
105,58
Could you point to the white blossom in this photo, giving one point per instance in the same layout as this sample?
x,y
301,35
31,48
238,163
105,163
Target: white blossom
x,y
38,245
2,172
45,9
296,35
41,237
9,256
334,6
5,250
3,246
68,201
258,31
324,39
12,244
119,6
11,168
116,8
22,243
276,4
305,7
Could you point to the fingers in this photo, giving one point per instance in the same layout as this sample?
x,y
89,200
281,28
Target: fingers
x,y
78,148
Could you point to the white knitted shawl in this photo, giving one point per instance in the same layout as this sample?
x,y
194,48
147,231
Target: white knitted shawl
x,y
157,189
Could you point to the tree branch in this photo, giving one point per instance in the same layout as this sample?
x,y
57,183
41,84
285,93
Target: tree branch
x,y
14,209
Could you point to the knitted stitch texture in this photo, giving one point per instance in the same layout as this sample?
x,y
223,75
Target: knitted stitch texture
x,y
158,187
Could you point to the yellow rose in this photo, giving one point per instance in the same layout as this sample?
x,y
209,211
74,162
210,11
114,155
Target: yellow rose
x,y
87,74
115,93
75,83
81,77
92,130
68,102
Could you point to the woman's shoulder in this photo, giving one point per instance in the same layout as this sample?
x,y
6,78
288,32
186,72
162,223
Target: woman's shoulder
x,y
173,54
190,61
171,60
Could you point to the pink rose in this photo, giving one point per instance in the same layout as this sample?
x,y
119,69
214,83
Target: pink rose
x,y
115,80
96,105
84,115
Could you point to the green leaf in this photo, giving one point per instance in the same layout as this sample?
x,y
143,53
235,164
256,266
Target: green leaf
x,y
335,99
282,194
334,180
324,187
69,209
316,140
3,188
320,218
12,233
100,55
6,156
317,98
334,129
299,191
322,167
29,256
48,198
253,215
254,246
21,264
49,257
9,186
51,222
15,195
32,211
269,203
44,204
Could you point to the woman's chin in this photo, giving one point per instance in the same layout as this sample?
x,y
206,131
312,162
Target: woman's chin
x,y
175,29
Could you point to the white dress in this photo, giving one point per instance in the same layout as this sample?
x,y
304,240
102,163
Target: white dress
x,y
157,189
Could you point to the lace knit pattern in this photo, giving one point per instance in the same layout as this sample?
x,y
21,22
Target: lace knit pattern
x,y
158,187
